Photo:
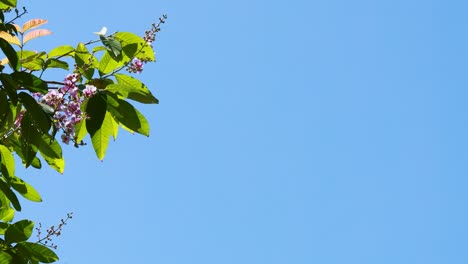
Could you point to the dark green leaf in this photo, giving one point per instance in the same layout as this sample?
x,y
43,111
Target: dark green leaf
x,y
19,231
96,110
9,52
55,63
10,86
30,82
39,117
5,111
30,140
112,45
10,195
39,252
3,227
126,114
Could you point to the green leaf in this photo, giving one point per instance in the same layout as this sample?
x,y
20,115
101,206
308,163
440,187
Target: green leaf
x,y
31,60
83,57
5,110
98,127
5,188
61,51
6,212
126,114
8,161
39,252
30,82
108,64
5,258
99,48
8,121
10,86
19,231
100,139
9,52
132,88
39,117
112,45
7,3
25,189
96,108
30,139
135,46
36,163
80,131
3,227
55,63
51,151
115,128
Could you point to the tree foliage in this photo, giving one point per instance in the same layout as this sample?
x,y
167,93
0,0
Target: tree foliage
x,y
38,116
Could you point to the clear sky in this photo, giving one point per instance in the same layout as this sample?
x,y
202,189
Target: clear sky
x,y
320,131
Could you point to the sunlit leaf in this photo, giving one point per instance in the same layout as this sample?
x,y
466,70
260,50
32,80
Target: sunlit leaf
x,y
82,57
25,189
7,161
51,151
7,3
6,212
65,50
131,88
98,125
135,46
11,39
100,139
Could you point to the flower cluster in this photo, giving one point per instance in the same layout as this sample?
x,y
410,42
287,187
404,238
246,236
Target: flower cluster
x,y
150,35
136,65
66,102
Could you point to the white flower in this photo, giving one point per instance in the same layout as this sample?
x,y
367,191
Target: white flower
x,y
102,32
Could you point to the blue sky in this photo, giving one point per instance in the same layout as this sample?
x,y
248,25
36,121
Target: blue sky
x,y
288,132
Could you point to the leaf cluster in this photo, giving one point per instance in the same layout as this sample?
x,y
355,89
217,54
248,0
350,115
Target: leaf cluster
x,y
28,128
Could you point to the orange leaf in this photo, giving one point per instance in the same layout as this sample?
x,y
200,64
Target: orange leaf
x,y
33,23
35,34
4,61
12,39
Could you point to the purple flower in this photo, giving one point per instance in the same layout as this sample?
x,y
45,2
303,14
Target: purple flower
x,y
89,91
